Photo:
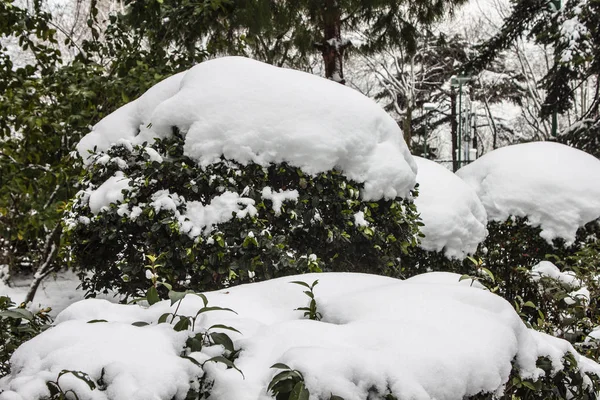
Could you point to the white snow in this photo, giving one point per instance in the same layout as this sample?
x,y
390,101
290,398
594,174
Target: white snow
x,y
454,218
122,126
545,269
278,197
222,208
140,363
56,292
422,340
154,156
553,185
253,112
111,191
568,279
359,219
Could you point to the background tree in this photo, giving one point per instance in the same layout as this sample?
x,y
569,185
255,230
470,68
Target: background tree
x,y
286,32
570,27
48,101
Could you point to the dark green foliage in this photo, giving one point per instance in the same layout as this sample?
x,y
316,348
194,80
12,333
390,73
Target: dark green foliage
x,y
283,32
562,385
584,136
17,325
47,105
512,248
419,261
315,233
288,384
311,311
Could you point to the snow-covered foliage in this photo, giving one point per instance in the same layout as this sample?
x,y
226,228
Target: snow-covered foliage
x,y
454,218
552,185
248,111
372,340
231,173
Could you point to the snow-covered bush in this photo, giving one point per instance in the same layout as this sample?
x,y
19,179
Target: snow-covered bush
x,y
231,172
372,342
453,222
542,199
257,222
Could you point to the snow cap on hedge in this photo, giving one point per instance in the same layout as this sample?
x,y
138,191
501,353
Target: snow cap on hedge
x,y
254,112
555,186
428,338
455,220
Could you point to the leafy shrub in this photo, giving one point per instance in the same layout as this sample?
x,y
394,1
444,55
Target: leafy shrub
x,y
17,325
512,248
316,231
419,261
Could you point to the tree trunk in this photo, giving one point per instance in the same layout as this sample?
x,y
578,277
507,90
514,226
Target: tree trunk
x,y
454,129
407,127
332,48
46,263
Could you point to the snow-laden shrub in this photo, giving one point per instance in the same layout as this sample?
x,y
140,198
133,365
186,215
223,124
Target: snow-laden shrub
x,y
250,179
226,223
453,222
370,341
542,199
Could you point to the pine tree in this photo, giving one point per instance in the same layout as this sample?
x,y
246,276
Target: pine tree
x,y
288,32
568,26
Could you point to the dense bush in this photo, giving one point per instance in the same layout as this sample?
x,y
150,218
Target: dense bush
x,y
323,229
512,248
17,325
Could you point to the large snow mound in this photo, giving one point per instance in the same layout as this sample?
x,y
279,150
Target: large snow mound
x,y
555,186
455,220
433,338
254,112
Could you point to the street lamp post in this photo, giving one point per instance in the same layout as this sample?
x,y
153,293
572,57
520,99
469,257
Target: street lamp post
x,y
458,82
556,5
427,107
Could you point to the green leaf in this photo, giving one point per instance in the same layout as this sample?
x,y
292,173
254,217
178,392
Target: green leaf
x,y
203,297
163,318
17,313
290,374
488,273
177,296
300,392
152,296
528,385
280,366
79,375
95,321
306,285
222,339
182,325
196,342
140,323
208,309
334,397
223,360
192,360
529,304
220,326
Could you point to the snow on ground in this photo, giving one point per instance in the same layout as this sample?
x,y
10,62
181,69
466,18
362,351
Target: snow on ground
x,y
422,339
553,185
56,291
455,220
253,112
